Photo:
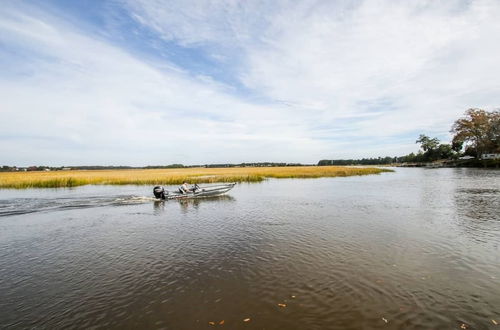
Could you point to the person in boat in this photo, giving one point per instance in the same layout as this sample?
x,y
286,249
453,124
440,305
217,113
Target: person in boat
x,y
184,188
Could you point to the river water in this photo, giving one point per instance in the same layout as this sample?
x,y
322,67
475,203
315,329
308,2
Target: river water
x,y
414,249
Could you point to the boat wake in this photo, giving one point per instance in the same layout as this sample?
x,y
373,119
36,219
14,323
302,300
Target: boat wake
x,y
21,206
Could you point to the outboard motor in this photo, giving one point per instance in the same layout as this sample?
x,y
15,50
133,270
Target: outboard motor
x,y
159,192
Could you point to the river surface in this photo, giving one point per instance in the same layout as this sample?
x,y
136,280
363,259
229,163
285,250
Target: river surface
x,y
414,249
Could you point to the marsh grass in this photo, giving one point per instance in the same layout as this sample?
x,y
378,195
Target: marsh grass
x,y
57,179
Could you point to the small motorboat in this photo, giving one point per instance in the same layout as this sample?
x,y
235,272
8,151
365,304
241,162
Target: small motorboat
x,y
195,192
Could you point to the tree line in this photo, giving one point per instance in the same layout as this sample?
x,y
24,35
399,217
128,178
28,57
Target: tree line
x,y
7,168
475,134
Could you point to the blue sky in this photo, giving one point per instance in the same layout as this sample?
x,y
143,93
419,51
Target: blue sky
x,y
157,82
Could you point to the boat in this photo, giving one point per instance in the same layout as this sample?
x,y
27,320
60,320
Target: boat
x,y
197,191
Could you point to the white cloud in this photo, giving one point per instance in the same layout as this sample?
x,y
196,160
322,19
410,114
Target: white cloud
x,y
89,102
428,60
340,79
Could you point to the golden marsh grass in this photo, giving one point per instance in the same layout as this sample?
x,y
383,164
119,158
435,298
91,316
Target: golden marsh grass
x,y
56,179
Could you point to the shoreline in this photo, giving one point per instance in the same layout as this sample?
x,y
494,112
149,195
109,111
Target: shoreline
x,y
469,163
61,179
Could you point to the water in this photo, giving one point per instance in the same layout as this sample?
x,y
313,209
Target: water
x,y
414,249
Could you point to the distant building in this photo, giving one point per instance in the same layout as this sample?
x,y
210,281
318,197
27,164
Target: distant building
x,y
466,157
490,156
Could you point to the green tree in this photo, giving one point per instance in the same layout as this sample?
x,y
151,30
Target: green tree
x,y
445,151
426,143
457,145
478,130
429,146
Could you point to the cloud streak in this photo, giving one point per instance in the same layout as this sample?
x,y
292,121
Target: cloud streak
x,y
312,80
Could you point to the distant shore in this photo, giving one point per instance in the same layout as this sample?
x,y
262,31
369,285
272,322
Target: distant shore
x,y
55,179
477,163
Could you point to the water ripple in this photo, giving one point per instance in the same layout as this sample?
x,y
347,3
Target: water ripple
x,y
412,250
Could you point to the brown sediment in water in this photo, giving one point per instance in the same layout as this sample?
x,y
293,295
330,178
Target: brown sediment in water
x,y
54,179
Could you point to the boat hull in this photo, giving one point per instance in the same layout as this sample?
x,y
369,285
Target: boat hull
x,y
200,192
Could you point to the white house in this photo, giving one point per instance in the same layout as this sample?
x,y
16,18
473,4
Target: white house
x,y
490,156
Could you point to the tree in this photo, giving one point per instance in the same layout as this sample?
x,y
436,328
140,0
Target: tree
x,y
324,162
429,146
478,130
445,151
426,143
457,145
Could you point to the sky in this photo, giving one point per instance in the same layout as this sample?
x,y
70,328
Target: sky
x,y
151,82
